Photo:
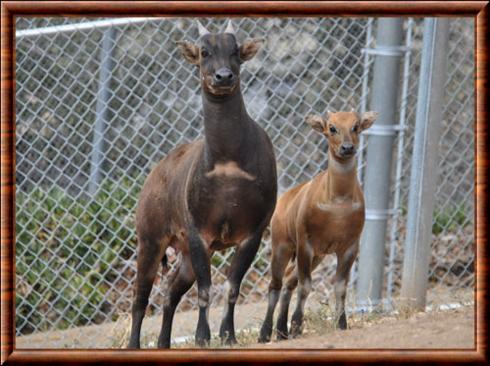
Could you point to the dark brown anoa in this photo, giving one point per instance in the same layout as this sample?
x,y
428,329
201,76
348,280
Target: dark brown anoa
x,y
319,217
214,193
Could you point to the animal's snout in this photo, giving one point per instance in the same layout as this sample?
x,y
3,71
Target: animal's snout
x,y
223,77
347,149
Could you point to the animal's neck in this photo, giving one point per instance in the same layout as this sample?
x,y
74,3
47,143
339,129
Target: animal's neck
x,y
341,177
226,125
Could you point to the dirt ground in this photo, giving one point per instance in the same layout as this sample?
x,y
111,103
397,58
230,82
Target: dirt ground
x,y
449,329
442,326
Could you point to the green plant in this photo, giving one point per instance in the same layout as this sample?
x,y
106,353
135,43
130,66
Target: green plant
x,y
68,250
450,218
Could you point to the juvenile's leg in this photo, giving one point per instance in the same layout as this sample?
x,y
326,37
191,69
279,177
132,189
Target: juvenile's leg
x,y
241,262
179,283
280,258
291,283
287,291
344,263
149,257
202,270
303,269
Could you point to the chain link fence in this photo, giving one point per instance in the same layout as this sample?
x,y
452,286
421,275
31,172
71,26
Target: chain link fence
x,y
100,102
452,248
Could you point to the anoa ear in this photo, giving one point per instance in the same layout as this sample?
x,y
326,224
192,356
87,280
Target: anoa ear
x,y
367,119
250,48
190,51
316,122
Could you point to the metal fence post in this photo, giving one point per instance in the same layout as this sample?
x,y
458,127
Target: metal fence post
x,y
103,96
424,161
386,80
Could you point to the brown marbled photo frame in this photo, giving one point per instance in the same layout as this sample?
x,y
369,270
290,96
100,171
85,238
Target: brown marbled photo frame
x,y
11,355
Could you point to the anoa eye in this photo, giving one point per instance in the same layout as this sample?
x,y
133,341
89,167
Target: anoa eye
x,y
333,130
205,52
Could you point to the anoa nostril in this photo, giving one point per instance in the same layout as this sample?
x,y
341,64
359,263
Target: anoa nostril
x,y
223,74
347,148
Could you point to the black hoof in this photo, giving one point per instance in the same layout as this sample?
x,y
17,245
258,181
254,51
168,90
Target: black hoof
x,y
203,336
202,343
296,330
230,341
282,334
265,334
164,344
133,344
264,337
227,336
342,323
296,325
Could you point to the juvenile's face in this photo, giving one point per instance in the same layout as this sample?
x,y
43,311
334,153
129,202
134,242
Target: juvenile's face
x,y
342,130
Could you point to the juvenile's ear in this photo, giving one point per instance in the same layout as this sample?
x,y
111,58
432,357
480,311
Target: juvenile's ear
x,y
190,51
316,122
249,48
367,119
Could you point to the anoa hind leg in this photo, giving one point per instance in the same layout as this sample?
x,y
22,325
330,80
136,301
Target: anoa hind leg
x,y
281,255
179,282
285,298
287,291
150,254
304,267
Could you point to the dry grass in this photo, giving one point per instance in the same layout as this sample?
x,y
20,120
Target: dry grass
x,y
319,320
120,331
244,337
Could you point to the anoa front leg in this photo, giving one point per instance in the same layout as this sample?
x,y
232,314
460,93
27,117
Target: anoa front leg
x,y
241,262
345,260
202,270
304,262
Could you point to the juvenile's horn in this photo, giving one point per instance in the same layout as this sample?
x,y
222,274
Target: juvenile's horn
x,y
229,28
202,29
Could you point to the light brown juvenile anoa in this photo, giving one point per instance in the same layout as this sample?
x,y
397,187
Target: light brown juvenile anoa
x,y
322,216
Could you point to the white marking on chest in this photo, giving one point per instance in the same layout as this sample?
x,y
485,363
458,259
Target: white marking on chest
x,y
339,204
229,170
